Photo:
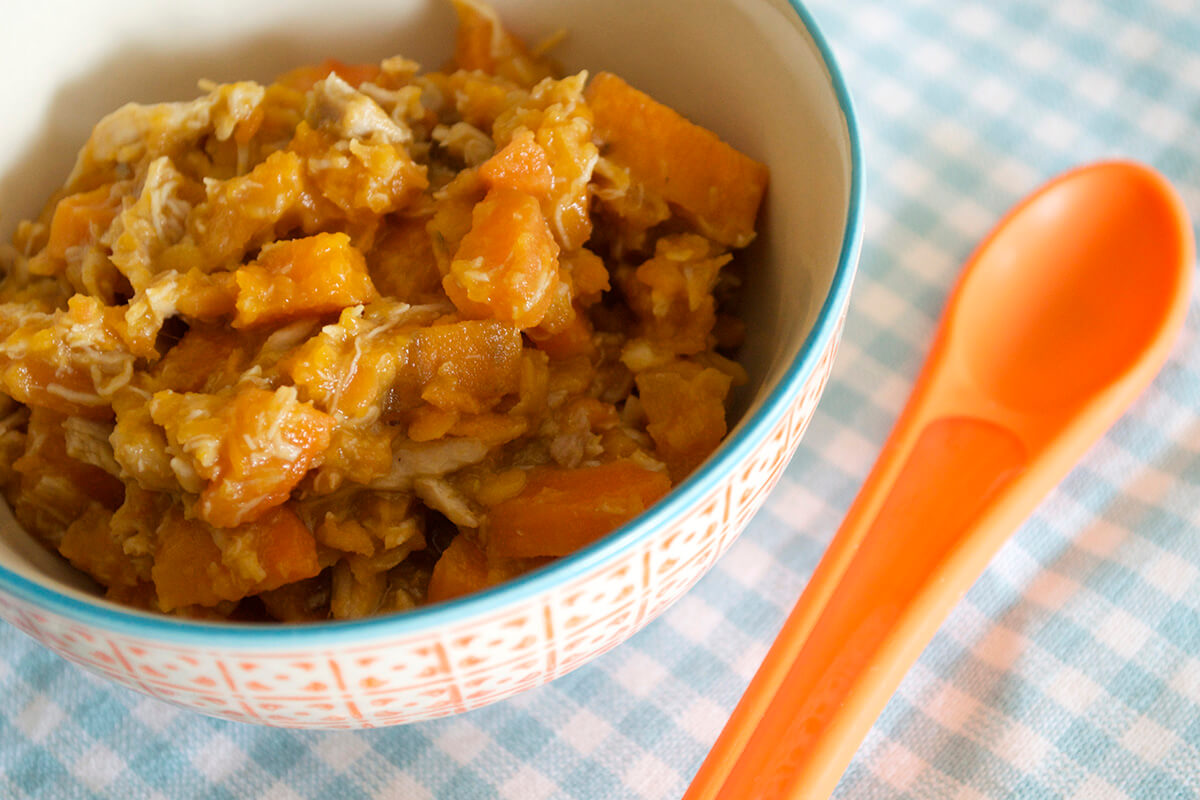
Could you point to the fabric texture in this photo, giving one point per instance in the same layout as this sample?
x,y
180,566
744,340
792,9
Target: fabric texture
x,y
1072,667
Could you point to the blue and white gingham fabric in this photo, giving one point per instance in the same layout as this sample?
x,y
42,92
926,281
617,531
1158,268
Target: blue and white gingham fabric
x,y
1071,669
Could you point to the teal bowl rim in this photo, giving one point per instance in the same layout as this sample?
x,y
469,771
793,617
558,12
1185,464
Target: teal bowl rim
x,y
443,616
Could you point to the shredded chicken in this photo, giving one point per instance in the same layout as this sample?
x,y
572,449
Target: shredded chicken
x,y
350,114
87,441
429,459
135,134
154,222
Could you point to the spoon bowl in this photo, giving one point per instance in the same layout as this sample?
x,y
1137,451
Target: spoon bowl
x,y
1060,319
1069,292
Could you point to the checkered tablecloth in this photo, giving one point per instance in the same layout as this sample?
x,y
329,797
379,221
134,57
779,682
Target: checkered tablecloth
x,y
1071,669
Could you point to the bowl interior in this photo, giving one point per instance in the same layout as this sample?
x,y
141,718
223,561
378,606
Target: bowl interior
x,y
747,69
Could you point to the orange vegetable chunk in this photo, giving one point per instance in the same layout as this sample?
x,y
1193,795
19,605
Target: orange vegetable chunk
x,y
190,568
297,278
251,448
54,488
207,358
240,213
361,178
272,441
402,264
460,366
716,187
685,408
80,219
68,360
46,456
521,164
575,339
506,266
462,569
561,510
304,78
89,544
481,43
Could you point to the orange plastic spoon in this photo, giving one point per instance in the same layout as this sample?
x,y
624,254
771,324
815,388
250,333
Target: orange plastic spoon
x,y
1060,319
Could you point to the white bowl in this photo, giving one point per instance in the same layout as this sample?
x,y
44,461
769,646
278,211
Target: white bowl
x,y
755,71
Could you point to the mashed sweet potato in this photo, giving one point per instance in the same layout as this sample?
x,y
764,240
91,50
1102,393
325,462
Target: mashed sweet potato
x,y
366,337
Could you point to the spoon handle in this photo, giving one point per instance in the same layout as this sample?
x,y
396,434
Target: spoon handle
x,y
938,504
946,492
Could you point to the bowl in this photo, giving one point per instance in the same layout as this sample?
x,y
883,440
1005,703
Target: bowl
x,y
758,72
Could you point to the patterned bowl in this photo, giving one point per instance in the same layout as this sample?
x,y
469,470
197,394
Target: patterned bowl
x,y
756,71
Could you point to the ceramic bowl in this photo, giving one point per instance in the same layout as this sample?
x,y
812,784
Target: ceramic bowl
x,y
758,72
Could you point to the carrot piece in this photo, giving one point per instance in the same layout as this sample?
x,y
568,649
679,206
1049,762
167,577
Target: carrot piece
x,y
521,164
562,510
190,568
297,278
81,218
507,265
716,187
462,569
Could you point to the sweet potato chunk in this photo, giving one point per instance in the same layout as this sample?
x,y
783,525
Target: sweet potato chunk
x,y
575,339
80,219
718,188
672,294
462,569
481,43
317,275
56,489
461,366
561,122
198,565
89,544
206,359
562,510
685,407
521,165
359,177
245,452
239,213
506,266
402,264
66,361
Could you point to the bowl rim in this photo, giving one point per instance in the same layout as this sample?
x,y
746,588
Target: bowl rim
x,y
491,601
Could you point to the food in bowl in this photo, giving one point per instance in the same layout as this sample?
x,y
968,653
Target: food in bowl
x,y
367,338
